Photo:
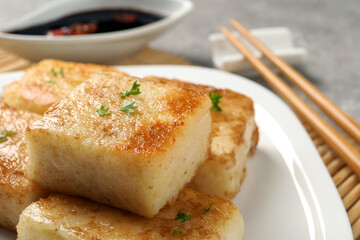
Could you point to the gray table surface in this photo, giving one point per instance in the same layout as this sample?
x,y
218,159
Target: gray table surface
x,y
330,28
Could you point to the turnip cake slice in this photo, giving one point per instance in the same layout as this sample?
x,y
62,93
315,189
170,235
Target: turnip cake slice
x,y
199,216
114,142
47,82
16,190
234,138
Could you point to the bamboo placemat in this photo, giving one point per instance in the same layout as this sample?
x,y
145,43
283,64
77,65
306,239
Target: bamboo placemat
x,y
345,180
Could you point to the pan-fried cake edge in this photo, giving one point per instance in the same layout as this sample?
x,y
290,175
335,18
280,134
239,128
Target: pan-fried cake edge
x,y
62,217
234,139
46,82
16,190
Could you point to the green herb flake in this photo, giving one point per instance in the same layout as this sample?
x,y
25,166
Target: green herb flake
x,y
134,90
215,100
102,111
61,71
50,82
177,232
128,107
56,73
182,217
5,133
205,211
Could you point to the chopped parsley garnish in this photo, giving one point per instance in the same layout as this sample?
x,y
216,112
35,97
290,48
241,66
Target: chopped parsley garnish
x,y
134,90
128,107
205,211
215,100
50,82
56,73
5,133
102,111
177,232
182,217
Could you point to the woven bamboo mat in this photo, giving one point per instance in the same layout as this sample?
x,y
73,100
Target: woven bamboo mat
x,y
345,180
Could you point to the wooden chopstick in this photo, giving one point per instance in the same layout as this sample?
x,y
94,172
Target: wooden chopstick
x,y
334,139
349,125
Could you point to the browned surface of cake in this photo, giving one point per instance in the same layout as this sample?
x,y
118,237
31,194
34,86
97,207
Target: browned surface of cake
x,y
60,217
46,82
16,190
234,138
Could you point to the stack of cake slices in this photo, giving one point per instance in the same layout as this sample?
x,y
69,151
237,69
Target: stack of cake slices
x,y
118,157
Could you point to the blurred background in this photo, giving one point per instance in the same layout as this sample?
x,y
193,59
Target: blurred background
x,y
328,28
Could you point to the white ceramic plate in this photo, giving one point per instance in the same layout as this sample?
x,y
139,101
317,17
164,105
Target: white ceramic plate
x,y
288,193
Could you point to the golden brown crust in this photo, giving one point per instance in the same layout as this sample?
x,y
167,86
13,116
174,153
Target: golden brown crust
x,y
39,88
148,138
162,110
254,141
91,220
13,155
231,143
16,190
236,110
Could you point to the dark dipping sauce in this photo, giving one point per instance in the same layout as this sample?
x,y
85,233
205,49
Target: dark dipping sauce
x,y
100,21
